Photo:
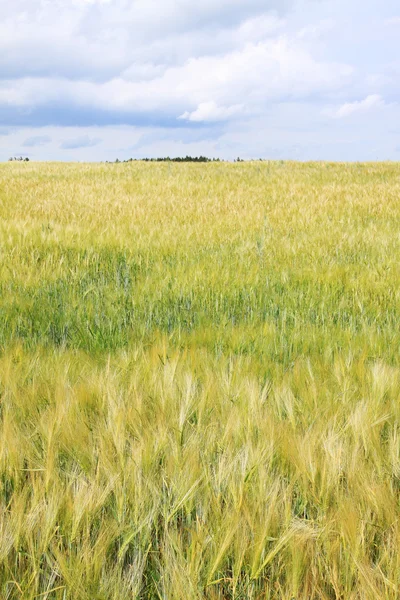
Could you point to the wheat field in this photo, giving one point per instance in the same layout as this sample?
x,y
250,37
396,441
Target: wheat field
x,y
200,381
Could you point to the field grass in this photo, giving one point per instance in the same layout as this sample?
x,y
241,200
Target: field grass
x,y
200,381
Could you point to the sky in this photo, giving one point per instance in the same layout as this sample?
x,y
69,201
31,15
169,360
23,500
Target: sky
x,y
96,80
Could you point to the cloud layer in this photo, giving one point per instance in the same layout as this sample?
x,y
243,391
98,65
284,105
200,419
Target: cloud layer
x,y
370,103
82,67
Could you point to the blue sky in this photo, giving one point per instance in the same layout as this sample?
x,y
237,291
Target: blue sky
x,y
277,79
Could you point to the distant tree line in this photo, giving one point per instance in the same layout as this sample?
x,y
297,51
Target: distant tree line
x,y
179,159
198,159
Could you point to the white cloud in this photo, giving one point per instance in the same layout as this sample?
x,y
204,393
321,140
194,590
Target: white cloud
x,y
36,140
84,141
377,80
392,21
78,40
371,102
257,73
77,2
209,111
316,30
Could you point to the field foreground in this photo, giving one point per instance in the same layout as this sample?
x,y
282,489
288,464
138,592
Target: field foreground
x,y
200,381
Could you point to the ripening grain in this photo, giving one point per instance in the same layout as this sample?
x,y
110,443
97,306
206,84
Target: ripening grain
x,y
200,381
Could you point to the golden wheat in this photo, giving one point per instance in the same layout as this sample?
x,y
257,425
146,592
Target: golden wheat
x,y
199,381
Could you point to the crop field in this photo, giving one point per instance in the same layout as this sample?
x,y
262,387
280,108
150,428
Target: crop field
x,y
200,381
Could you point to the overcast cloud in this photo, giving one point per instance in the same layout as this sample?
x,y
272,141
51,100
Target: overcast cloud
x,y
101,79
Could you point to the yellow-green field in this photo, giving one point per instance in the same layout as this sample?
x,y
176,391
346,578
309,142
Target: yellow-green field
x,y
200,381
